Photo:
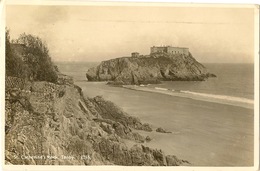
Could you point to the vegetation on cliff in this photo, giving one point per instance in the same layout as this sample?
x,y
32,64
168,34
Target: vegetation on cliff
x,y
149,69
28,57
13,64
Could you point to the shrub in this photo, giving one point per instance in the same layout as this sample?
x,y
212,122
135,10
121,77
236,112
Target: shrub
x,y
36,63
13,65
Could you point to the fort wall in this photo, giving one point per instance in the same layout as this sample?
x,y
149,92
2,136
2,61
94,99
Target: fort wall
x,y
170,50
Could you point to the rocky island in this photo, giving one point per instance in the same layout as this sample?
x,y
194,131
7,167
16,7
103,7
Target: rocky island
x,y
163,64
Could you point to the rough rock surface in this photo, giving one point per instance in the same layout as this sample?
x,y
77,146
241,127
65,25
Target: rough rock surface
x,y
161,130
153,69
109,110
47,122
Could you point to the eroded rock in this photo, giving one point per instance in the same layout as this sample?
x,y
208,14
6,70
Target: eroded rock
x,y
149,70
161,130
42,122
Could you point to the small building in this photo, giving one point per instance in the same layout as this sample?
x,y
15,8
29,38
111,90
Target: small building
x,y
135,54
170,50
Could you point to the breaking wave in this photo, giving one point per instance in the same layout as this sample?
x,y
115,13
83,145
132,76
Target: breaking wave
x,y
224,99
159,88
220,97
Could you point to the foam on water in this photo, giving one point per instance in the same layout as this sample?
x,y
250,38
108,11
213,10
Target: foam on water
x,y
221,97
224,99
159,88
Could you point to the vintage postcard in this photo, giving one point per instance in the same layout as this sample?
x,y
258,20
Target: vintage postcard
x,y
116,85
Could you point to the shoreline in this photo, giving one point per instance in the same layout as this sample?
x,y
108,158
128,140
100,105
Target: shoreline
x,y
83,123
190,121
191,95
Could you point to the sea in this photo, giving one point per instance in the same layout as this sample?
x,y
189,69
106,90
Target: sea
x,y
233,81
212,121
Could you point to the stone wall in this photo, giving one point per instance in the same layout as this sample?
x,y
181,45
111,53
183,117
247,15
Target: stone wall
x,y
178,50
14,83
155,49
170,50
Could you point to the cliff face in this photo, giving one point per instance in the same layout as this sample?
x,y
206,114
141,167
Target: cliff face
x,y
51,124
152,69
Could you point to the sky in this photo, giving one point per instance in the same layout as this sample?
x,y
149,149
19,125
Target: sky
x,y
97,33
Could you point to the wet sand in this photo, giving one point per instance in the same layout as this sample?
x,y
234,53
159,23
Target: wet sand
x,y
234,101
204,133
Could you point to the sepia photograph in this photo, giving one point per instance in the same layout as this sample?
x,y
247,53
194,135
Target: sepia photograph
x,y
131,84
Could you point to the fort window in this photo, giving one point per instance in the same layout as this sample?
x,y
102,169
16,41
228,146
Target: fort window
x,y
170,50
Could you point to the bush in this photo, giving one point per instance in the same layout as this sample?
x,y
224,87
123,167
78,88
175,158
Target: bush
x,y
36,63
13,65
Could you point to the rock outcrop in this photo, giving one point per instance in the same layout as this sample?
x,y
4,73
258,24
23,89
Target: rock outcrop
x,y
161,130
152,69
55,124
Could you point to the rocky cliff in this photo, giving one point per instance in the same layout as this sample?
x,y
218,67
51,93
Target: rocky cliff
x,y
55,124
149,69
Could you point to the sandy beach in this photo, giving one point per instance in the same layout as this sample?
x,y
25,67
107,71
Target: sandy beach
x,y
204,133
229,100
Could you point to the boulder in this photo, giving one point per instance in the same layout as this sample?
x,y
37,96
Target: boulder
x,y
161,130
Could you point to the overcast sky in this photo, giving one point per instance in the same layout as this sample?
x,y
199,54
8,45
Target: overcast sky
x,y
96,33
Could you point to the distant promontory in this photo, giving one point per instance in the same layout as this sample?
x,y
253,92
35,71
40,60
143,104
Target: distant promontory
x,y
165,63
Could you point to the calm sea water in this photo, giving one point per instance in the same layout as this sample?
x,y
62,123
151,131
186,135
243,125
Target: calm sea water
x,y
204,133
233,80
